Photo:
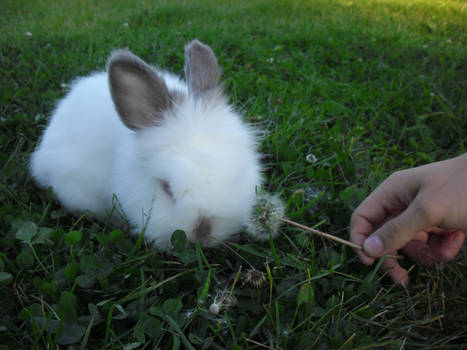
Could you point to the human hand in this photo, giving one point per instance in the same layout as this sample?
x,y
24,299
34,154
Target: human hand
x,y
420,211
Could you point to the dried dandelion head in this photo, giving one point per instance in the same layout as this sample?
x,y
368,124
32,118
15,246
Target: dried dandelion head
x,y
254,278
266,215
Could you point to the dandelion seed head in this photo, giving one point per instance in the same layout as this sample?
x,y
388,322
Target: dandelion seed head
x,y
266,215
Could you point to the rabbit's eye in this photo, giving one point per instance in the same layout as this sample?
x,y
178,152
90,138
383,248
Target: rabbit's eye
x,y
166,187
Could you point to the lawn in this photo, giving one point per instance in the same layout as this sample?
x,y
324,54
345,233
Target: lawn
x,y
345,93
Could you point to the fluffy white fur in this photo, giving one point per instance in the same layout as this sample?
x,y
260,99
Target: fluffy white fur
x,y
200,149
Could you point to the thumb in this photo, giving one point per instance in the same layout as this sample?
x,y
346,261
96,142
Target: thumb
x,y
398,231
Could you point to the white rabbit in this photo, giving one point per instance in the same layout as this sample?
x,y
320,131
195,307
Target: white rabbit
x,y
174,155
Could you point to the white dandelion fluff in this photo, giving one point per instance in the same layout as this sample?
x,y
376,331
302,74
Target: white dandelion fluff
x,y
266,216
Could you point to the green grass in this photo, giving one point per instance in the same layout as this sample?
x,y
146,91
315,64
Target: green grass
x,y
365,87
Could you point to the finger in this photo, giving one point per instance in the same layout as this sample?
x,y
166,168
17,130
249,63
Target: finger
x,y
365,259
421,236
359,231
445,247
397,232
439,230
416,250
397,273
389,199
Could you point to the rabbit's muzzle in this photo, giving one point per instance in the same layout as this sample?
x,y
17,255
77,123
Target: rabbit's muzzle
x,y
202,229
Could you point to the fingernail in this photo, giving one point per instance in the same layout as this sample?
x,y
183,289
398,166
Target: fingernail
x,y
373,246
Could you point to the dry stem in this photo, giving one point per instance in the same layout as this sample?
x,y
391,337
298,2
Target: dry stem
x,y
334,238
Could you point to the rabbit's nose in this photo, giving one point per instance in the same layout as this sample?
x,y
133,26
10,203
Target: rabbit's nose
x,y
202,229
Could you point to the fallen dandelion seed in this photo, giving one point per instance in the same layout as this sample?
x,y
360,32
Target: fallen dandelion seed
x,y
214,308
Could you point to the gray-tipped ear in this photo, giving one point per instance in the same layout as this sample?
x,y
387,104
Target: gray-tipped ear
x,y
201,69
140,95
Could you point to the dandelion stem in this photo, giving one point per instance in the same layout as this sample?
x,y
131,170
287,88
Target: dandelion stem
x,y
331,237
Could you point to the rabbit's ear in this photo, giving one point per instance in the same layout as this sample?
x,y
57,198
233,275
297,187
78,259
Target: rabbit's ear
x,y
140,95
201,69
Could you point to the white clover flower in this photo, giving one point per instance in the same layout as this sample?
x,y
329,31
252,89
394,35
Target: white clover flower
x,y
311,158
